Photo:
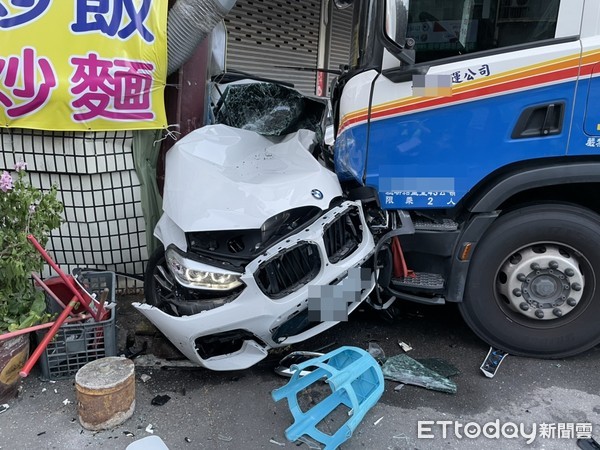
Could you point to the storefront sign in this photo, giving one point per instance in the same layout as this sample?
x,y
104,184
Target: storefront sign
x,y
83,64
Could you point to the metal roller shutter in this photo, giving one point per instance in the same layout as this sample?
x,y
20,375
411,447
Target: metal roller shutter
x,y
263,34
340,37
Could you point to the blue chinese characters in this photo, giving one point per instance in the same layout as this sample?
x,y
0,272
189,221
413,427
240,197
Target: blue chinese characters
x,y
113,18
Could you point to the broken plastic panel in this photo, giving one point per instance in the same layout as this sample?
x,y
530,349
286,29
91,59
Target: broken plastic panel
x,y
160,400
293,359
405,346
356,382
404,369
269,109
492,361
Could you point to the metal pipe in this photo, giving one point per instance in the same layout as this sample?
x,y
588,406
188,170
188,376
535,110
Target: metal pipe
x,y
189,22
12,334
47,338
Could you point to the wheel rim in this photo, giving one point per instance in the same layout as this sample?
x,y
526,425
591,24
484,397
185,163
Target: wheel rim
x,y
543,284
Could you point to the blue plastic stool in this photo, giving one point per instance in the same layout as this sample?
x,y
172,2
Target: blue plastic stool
x,y
356,381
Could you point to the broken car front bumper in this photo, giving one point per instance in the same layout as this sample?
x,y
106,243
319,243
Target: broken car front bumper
x,y
272,309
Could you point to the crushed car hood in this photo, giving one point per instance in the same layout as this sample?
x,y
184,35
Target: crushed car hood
x,y
219,177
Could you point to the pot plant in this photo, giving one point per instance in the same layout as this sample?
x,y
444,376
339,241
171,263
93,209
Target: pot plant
x,y
24,210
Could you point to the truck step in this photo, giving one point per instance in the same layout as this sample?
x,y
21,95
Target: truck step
x,y
421,281
426,224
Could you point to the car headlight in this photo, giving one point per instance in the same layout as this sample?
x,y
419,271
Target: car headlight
x,y
189,276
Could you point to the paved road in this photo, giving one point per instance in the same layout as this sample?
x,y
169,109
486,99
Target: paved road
x,y
234,410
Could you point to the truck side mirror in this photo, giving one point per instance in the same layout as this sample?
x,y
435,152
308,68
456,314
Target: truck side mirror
x,y
396,27
396,21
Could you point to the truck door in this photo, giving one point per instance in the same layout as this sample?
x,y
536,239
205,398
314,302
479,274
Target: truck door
x,y
494,83
585,135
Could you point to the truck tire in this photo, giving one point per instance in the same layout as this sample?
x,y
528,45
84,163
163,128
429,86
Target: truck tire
x,y
532,288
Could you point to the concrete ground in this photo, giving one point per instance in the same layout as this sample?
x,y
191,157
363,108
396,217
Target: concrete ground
x,y
234,410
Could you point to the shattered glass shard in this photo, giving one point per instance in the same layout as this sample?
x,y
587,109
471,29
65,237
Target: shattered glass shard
x,y
404,369
376,352
312,445
440,366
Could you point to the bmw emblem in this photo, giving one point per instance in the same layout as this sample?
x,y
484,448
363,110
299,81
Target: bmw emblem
x,y
317,194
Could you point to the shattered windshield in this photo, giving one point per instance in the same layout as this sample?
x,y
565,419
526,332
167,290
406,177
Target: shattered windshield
x,y
269,109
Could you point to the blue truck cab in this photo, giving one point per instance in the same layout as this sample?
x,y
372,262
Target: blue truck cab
x,y
470,129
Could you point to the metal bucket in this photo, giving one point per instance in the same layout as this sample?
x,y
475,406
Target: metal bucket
x,y
105,393
13,354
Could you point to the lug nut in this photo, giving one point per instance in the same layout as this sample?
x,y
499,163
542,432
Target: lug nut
x,y
524,306
576,287
535,266
569,272
521,277
539,314
553,265
517,292
557,312
571,301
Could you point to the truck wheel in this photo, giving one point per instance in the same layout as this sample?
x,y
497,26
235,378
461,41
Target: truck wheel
x,y
532,287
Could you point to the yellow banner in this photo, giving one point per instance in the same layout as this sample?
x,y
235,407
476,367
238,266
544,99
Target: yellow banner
x,y
76,65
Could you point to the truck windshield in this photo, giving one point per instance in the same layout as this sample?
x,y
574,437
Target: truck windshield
x,y
455,27
446,28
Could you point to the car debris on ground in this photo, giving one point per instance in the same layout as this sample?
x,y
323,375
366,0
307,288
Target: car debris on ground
x,y
404,346
404,369
160,400
144,378
492,362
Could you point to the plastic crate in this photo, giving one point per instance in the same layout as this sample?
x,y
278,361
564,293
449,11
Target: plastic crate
x,y
76,344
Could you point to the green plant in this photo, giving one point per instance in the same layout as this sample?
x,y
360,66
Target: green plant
x,y
24,210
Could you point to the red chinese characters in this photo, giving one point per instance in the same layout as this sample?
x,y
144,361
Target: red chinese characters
x,y
26,83
117,90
